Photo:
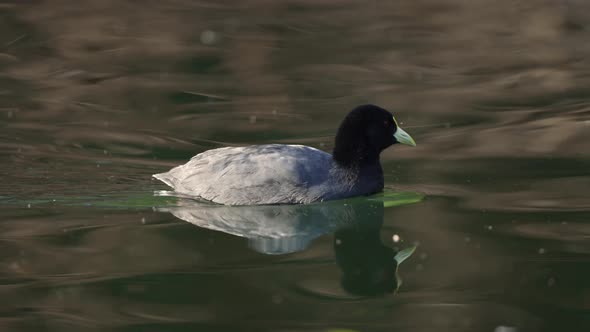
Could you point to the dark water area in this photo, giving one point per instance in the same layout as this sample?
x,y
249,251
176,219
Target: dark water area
x,y
97,96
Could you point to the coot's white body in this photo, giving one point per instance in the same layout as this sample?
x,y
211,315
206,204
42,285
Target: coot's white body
x,y
268,174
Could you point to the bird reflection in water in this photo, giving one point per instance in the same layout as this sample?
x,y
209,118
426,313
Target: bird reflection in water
x,y
368,266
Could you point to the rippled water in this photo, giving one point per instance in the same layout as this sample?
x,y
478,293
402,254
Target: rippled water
x,y
95,98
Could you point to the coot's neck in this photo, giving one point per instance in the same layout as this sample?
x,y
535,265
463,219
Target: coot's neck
x,y
364,176
356,155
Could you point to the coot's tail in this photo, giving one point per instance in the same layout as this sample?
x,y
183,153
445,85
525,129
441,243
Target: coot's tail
x,y
166,178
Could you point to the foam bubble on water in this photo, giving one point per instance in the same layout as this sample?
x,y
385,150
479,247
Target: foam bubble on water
x,y
395,238
503,328
208,37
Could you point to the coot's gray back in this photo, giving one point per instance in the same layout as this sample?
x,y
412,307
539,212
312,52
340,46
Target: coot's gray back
x,y
261,174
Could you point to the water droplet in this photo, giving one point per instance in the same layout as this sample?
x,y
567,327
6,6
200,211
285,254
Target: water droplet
x,y
502,328
423,256
551,282
143,220
252,119
395,238
29,205
9,114
338,242
208,37
419,267
490,227
467,239
541,251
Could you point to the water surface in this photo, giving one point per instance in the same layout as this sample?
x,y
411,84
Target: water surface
x,y
97,97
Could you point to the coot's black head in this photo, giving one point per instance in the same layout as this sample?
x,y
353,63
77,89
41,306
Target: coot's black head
x,y
364,133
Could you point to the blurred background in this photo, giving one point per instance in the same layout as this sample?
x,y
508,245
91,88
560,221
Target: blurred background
x,y
95,96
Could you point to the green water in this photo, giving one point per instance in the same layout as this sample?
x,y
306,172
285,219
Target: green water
x,y
96,97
